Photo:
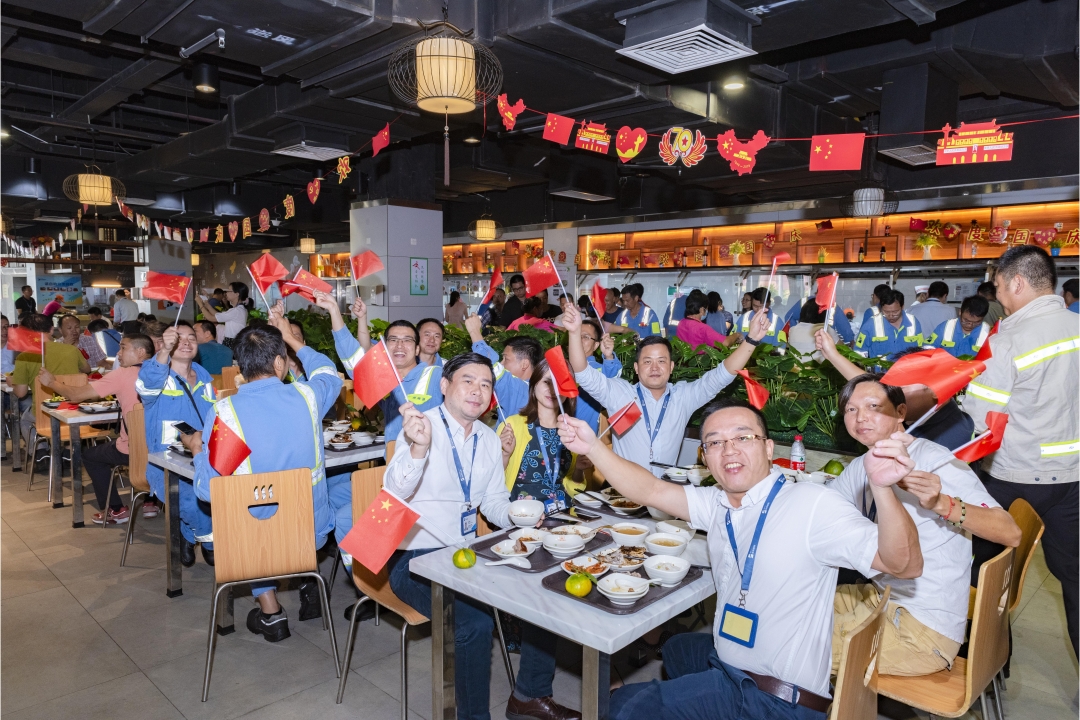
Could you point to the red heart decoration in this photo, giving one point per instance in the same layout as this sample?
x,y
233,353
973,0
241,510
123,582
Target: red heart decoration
x,y
630,142
1044,236
233,227
998,235
313,190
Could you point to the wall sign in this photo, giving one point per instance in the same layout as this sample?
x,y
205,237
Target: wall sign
x,y
418,276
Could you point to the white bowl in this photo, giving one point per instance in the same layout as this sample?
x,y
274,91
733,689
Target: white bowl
x,y
586,533
676,544
587,501
380,438
341,446
623,538
584,561
675,472
534,537
632,509
667,569
363,439
526,513
505,549
676,527
697,473
820,478
658,514
564,546
613,588
327,434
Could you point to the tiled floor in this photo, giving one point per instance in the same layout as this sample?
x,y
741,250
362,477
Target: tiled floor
x,y
84,638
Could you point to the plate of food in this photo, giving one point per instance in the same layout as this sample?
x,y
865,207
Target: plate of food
x,y
623,559
624,506
584,500
341,441
611,493
99,406
54,402
513,548
584,564
586,533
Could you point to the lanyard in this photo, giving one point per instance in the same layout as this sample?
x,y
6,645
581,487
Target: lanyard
x,y
747,570
659,420
466,485
871,515
551,472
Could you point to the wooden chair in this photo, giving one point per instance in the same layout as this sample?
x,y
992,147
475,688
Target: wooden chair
x,y
227,392
1031,531
950,693
42,429
855,696
249,550
216,381
136,472
228,377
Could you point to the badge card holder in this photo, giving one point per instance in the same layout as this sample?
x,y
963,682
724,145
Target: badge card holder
x,y
738,625
468,520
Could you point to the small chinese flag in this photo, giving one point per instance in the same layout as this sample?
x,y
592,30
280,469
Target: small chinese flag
x,y
826,292
755,391
22,339
944,374
377,533
365,264
267,270
381,140
780,257
986,443
563,376
307,284
916,224
557,129
374,376
836,152
599,296
624,418
226,449
540,276
496,283
984,352
164,286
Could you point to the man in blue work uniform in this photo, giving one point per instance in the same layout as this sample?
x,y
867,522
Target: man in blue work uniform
x,y
875,303
636,316
174,388
840,323
964,335
520,357
281,423
891,331
774,335
1070,291
676,311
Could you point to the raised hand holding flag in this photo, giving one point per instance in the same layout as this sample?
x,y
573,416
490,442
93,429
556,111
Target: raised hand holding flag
x,y
375,376
988,442
598,296
365,264
623,419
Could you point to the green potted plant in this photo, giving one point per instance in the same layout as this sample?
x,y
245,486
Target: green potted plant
x,y
1056,244
738,248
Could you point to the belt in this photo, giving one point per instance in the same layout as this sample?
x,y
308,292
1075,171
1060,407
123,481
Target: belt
x,y
790,693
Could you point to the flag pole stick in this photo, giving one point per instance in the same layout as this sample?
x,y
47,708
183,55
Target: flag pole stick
x,y
392,367
551,255
926,416
614,419
434,529
181,308
965,446
832,305
768,286
555,389
498,407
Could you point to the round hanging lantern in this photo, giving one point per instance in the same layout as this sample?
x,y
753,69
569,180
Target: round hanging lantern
x,y
194,260
869,201
307,245
93,188
485,229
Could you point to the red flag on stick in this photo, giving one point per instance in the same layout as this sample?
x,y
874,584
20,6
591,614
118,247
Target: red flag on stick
x,y
984,352
624,418
307,284
567,386
164,286
22,339
226,449
986,443
780,257
755,391
374,376
599,298
540,276
496,283
937,370
826,292
377,533
365,264
267,270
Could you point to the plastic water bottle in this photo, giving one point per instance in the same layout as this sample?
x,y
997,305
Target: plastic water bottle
x,y
798,455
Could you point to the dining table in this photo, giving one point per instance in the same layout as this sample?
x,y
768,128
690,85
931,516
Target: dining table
x,y
74,420
524,595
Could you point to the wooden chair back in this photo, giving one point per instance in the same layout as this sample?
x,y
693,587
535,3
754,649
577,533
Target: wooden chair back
x,y
227,392
138,451
855,697
216,381
228,377
246,547
1031,530
988,643
366,484
390,445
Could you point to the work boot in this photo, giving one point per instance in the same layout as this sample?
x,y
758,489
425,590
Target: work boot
x,y
367,611
310,605
207,555
187,552
274,628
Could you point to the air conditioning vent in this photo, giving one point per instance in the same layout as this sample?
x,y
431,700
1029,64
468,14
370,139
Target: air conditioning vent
x,y
913,154
691,49
309,151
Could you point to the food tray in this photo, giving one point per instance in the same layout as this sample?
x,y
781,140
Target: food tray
x,y
556,583
353,446
95,409
541,560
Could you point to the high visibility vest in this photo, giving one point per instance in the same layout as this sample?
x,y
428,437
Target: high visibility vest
x,y
745,328
420,394
879,329
624,319
671,313
950,331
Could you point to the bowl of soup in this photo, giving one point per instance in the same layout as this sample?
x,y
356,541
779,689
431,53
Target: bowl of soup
x,y
665,544
628,533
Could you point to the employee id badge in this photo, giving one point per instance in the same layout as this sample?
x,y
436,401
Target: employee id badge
x,y
468,520
738,625
555,504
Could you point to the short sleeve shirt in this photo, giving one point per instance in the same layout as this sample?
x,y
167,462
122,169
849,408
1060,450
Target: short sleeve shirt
x,y
60,359
120,383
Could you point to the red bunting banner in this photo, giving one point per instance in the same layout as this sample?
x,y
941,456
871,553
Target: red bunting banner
x,y
313,190
264,220
974,143
629,142
741,155
380,141
509,112
593,137
557,128
682,144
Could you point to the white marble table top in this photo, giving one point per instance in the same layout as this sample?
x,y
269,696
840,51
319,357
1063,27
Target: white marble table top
x,y
183,466
521,594
75,417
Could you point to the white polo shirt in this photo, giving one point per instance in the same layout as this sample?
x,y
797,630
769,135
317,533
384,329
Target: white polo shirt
x,y
939,597
810,532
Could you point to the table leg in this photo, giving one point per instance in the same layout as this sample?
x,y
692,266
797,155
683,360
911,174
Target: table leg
x,y
226,624
173,568
590,683
16,438
76,478
443,703
56,468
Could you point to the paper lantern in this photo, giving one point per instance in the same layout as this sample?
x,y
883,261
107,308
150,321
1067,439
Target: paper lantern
x,y
485,229
869,201
93,188
445,75
194,260
307,245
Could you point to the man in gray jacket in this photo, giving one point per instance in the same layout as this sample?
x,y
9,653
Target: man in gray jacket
x,y
1034,376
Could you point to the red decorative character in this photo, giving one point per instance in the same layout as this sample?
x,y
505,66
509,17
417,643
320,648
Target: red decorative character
x,y
1021,237
246,232
741,155
290,206
343,168
264,220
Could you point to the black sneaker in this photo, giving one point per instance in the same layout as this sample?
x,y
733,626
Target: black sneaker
x,y
274,628
367,611
207,555
310,606
187,553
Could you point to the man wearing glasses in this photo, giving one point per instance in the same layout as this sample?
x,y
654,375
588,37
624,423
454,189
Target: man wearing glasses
x,y
775,549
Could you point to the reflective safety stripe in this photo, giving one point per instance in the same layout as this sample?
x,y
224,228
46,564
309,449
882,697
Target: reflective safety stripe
x,y
312,402
140,387
984,332
350,362
499,371
1059,448
671,314
989,394
947,336
746,323
1046,352
879,328
324,370
420,394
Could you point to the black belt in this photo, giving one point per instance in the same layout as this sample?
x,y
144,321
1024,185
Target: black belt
x,y
790,693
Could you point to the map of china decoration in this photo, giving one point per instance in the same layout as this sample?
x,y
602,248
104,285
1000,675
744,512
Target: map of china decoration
x,y
509,112
682,144
741,155
593,137
974,143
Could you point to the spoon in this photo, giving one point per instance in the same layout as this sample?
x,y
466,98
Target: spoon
x,y
519,561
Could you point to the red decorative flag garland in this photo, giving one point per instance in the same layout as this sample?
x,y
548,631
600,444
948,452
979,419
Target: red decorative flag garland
x,y
742,156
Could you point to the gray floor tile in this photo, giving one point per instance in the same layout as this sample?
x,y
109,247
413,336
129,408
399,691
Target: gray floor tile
x,y
1043,662
127,590
23,574
103,559
362,700
1045,613
131,696
164,633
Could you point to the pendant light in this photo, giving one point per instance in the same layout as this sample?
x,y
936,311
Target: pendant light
x,y
93,188
485,229
307,245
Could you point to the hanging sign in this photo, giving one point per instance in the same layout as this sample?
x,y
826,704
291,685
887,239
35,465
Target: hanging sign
x,y
264,220
593,137
977,142
290,206
313,190
682,144
629,142
741,155
343,168
233,228
509,112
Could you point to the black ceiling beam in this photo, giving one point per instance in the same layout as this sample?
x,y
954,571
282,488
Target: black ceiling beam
x,y
131,80
111,15
75,125
914,10
382,18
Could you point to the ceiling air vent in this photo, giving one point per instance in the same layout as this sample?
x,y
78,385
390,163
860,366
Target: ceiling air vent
x,y
309,151
683,35
914,99
309,143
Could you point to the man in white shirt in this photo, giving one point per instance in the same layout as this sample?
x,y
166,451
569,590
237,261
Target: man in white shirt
x,y
927,616
769,652
448,464
125,310
665,407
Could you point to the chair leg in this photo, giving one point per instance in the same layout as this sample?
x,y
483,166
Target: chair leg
x,y
997,700
328,620
505,654
1001,678
404,672
982,702
212,641
333,572
349,646
129,538
376,614
31,447
108,497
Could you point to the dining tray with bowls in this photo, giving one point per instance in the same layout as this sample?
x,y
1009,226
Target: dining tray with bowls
x,y
556,583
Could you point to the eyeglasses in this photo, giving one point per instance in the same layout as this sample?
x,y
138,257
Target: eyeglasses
x,y
400,340
588,338
740,442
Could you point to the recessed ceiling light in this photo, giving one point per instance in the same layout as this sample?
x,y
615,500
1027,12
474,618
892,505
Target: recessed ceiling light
x,y
733,85
472,141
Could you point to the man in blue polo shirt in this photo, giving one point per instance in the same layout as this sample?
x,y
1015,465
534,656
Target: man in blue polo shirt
x,y
891,331
964,335
1070,291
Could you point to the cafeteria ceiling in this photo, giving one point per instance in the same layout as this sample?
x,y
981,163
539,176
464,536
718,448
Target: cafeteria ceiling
x,y
102,81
